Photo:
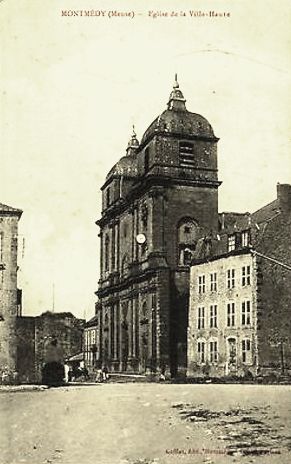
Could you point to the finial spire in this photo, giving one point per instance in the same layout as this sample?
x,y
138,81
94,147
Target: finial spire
x,y
176,101
133,143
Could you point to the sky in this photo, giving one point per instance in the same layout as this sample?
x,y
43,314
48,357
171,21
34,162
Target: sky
x,y
71,88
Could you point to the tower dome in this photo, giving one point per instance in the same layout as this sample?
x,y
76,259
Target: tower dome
x,y
177,120
127,165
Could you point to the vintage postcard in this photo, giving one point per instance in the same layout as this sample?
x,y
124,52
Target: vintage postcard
x,y
145,232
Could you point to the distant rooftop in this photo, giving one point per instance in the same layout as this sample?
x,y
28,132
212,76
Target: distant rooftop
x,y
8,210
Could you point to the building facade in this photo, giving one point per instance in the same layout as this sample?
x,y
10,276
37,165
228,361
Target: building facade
x,y
91,344
223,316
157,201
9,218
240,300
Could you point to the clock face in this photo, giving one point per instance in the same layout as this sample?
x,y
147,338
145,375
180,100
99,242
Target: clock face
x,y
140,238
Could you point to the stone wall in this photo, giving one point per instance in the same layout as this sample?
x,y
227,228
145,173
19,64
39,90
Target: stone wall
x,y
274,297
34,336
8,293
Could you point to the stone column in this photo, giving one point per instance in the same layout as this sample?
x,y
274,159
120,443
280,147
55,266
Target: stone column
x,y
101,255
118,247
112,334
135,256
115,347
120,336
130,331
134,327
112,248
154,330
100,322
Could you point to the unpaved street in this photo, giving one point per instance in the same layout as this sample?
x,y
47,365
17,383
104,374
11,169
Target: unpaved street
x,y
147,423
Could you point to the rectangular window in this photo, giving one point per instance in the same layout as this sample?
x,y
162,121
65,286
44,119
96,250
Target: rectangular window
x,y
231,278
201,284
245,238
213,316
231,242
201,317
246,351
201,352
213,352
213,282
246,276
246,313
230,314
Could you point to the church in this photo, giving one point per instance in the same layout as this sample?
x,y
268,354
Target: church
x,y
157,201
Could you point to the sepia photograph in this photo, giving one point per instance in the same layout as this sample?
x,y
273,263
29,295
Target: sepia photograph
x,y
145,232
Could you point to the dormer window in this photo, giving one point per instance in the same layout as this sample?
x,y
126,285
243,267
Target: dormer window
x,y
231,242
245,238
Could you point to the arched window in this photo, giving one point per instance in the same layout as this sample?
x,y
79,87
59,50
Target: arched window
x,y
188,231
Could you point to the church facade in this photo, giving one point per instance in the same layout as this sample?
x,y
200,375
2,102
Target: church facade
x,y
158,200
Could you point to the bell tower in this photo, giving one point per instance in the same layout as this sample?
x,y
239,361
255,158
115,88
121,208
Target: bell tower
x,y
166,198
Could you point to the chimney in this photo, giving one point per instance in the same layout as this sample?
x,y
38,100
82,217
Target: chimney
x,y
284,197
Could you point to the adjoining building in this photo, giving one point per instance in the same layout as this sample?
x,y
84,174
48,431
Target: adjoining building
x,y
240,296
158,200
9,295
40,339
91,344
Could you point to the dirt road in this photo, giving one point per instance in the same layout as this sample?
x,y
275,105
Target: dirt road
x,y
147,424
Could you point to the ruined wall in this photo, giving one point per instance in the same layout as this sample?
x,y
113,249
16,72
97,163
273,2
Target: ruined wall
x,y
25,341
34,337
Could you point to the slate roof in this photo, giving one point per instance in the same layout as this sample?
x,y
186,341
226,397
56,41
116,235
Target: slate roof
x,y
211,247
267,212
231,221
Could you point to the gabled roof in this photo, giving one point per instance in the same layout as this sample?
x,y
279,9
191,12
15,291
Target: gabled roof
x,y
9,211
